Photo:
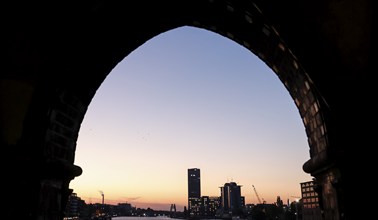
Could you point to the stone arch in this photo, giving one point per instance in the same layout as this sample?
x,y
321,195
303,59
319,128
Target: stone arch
x,y
255,34
51,73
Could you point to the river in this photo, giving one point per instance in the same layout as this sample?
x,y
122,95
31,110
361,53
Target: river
x,y
141,218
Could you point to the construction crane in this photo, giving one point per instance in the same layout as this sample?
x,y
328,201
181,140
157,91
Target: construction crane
x,y
257,195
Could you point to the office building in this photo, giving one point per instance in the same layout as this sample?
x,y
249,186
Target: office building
x,y
194,191
231,200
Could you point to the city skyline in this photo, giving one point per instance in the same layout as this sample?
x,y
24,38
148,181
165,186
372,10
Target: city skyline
x,y
190,98
196,193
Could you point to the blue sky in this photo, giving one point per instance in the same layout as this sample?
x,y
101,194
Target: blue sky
x,y
190,98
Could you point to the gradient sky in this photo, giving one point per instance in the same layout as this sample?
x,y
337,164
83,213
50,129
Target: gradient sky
x,y
190,98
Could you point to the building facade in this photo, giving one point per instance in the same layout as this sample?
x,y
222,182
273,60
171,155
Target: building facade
x,y
310,202
194,191
75,207
231,200
209,205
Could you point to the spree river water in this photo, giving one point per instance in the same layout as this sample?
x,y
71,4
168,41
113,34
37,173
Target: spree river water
x,y
141,218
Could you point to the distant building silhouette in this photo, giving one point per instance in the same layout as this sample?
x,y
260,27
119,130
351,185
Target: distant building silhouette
x,y
124,209
194,191
310,200
231,200
75,206
172,211
279,202
209,205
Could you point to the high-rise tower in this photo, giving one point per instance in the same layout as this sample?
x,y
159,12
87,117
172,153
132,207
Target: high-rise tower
x,y
231,199
194,191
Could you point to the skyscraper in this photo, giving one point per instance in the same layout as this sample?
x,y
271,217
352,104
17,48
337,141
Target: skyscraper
x,y
231,199
194,191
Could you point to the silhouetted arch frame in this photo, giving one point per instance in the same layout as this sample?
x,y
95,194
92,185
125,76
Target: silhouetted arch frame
x,y
243,23
56,55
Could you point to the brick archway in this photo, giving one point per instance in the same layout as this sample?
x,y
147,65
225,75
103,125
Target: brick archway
x,y
54,63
